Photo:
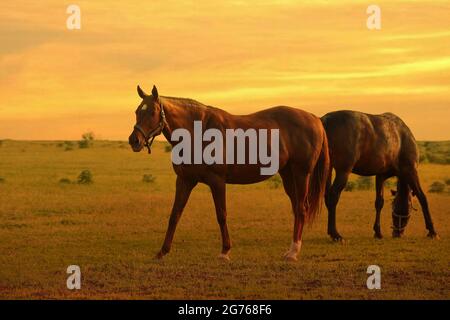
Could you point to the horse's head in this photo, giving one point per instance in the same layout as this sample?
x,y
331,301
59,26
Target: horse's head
x,y
150,120
400,209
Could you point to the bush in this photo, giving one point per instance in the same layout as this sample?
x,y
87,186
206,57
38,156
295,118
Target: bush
x,y
85,177
390,183
423,158
364,183
2,180
275,182
447,182
168,148
437,187
148,178
351,186
68,145
86,140
65,181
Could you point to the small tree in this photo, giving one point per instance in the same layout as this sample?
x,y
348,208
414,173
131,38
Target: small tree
x,y
86,140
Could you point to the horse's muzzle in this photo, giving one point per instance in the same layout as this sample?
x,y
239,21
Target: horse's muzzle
x,y
135,142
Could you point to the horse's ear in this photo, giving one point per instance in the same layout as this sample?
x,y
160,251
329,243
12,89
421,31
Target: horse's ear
x,y
393,192
141,92
155,92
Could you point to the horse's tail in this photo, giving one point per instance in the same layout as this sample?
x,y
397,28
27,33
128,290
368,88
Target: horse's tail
x,y
318,181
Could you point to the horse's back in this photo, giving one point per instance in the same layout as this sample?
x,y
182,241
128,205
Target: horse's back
x,y
301,137
368,144
301,132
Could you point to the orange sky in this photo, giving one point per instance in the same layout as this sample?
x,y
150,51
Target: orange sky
x,y
238,55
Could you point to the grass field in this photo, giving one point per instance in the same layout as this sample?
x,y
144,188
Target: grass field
x,y
113,227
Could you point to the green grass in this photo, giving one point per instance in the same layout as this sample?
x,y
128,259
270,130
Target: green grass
x,y
113,227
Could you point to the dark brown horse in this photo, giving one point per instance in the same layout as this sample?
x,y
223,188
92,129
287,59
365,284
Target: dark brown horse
x,y
303,158
380,145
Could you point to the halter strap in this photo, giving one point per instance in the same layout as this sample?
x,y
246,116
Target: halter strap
x,y
400,217
155,132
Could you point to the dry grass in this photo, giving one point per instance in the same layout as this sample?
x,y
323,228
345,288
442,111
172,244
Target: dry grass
x,y
113,227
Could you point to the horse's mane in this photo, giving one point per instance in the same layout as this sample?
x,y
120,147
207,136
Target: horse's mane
x,y
186,102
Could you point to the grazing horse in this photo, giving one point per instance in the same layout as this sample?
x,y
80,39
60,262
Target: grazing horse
x,y
380,145
303,158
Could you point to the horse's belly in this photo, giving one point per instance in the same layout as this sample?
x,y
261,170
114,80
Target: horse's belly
x,y
373,165
245,174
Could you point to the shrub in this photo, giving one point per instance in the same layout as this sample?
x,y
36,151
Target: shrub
x,y
2,180
437,187
423,158
65,181
275,182
364,183
148,178
68,145
86,140
351,186
447,182
85,177
168,148
390,183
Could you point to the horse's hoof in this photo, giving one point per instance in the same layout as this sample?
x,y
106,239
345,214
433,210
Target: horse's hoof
x,y
378,236
290,258
396,235
159,256
337,238
433,235
224,257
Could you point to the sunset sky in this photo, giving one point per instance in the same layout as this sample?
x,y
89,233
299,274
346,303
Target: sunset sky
x,y
241,56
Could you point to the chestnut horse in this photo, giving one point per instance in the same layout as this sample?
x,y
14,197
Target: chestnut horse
x,y
380,145
303,158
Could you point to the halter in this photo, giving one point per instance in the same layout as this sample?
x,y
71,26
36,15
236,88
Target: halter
x,y
155,132
400,217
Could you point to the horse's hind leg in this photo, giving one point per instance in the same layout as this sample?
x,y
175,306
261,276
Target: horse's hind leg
x,y
296,186
331,200
379,203
414,183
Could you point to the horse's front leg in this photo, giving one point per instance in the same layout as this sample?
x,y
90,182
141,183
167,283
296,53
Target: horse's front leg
x,y
218,188
183,191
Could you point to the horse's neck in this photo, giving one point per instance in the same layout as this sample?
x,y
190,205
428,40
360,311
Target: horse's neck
x,y
179,114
